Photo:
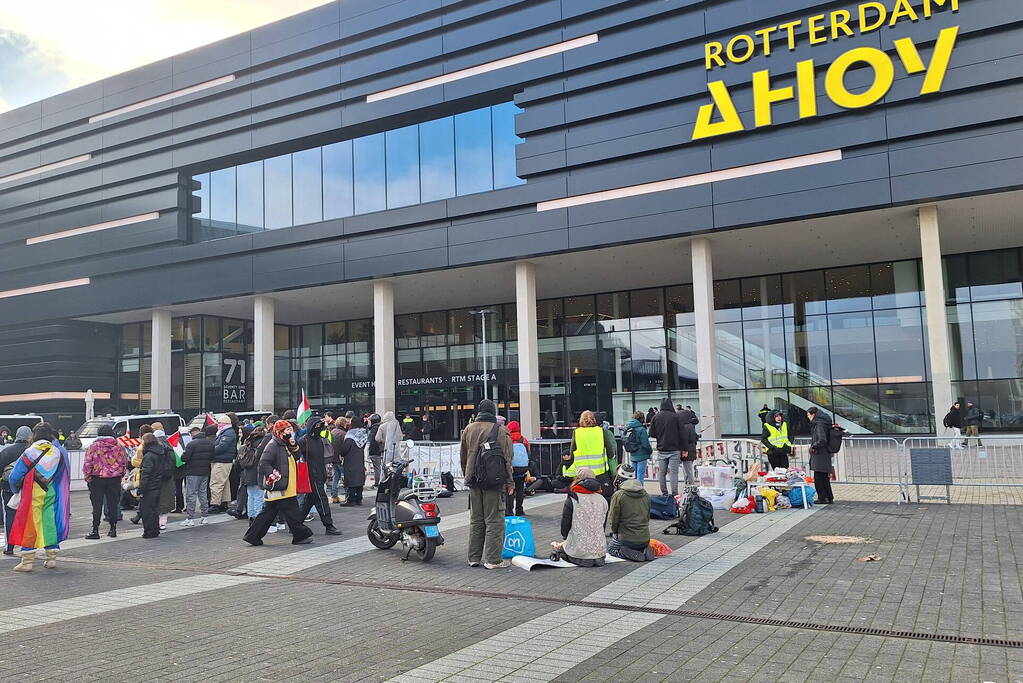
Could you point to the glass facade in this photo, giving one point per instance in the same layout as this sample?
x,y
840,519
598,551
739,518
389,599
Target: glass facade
x,y
453,156
851,340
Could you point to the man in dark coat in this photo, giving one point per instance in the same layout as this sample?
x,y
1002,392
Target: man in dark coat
x,y
820,456
316,447
8,456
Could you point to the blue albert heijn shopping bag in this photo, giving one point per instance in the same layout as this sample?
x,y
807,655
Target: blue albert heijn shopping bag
x,y
518,538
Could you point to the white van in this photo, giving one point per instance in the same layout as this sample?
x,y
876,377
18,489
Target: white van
x,y
199,421
127,425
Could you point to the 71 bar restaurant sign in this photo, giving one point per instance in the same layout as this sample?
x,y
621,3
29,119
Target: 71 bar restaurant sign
x,y
822,28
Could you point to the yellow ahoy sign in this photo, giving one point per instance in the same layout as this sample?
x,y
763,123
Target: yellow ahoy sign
x,y
721,117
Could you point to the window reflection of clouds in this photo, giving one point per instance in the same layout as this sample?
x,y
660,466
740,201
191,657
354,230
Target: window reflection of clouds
x,y
308,186
277,192
473,152
250,197
437,159
370,188
402,166
338,200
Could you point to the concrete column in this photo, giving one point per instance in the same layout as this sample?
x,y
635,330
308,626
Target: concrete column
x,y
937,320
706,347
383,345
529,352
263,354
160,382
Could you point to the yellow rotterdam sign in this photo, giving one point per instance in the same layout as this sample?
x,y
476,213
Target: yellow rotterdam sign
x,y
821,28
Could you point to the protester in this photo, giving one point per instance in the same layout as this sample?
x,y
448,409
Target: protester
x,y
225,449
248,461
42,476
103,467
520,469
637,438
375,452
168,495
5,435
353,457
316,448
582,522
73,443
278,475
629,520
198,458
8,456
151,477
486,513
650,415
954,421
762,414
690,451
672,437
388,436
337,437
775,440
593,447
136,464
972,419
426,427
820,457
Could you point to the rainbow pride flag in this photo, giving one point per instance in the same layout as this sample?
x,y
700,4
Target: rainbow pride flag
x,y
44,515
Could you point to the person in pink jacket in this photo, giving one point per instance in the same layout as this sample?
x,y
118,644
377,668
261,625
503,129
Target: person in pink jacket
x,y
103,468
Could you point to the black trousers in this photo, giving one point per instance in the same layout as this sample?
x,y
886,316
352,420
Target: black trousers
x,y
354,494
9,513
293,516
149,510
104,490
318,498
179,493
822,482
513,504
778,459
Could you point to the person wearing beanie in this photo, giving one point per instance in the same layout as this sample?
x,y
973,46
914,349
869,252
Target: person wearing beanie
x,y
486,511
103,468
225,450
10,453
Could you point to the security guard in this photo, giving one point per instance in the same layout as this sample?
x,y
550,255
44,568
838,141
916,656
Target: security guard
x,y
775,440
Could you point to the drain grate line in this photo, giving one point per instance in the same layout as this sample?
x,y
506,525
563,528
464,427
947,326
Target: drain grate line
x,y
569,602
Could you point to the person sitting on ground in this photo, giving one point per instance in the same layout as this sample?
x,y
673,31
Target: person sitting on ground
x,y
582,522
629,519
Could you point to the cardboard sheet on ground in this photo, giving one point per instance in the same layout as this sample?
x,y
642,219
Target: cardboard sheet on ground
x,y
530,563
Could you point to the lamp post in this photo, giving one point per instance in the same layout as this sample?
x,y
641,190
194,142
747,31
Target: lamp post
x,y
482,313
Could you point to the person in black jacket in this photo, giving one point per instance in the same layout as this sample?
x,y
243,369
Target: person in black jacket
x,y
352,452
225,449
197,458
820,456
151,478
672,436
277,473
374,448
689,451
954,421
8,456
314,446
972,418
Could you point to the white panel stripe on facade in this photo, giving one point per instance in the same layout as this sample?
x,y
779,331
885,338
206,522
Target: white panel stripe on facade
x,y
52,395
162,98
551,645
95,227
485,68
44,288
693,180
43,169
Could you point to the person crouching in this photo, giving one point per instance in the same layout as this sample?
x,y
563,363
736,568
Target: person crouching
x,y
629,519
582,522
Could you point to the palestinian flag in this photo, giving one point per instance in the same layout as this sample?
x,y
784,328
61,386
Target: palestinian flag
x,y
303,411
175,442
209,420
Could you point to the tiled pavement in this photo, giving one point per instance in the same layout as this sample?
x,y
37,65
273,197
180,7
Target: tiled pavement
x,y
944,569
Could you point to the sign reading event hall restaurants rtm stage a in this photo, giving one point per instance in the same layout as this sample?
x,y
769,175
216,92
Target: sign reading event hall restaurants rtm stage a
x,y
721,117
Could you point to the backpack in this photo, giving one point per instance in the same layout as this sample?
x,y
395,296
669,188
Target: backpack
x,y
520,456
663,507
697,518
491,469
247,456
835,435
631,444
447,480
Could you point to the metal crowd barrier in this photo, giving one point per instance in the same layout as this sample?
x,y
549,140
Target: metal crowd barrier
x,y
988,460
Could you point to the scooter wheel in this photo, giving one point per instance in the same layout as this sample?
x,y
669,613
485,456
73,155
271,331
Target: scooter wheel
x,y
429,548
378,538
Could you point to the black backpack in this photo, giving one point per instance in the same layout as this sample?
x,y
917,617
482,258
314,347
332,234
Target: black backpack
x,y
247,455
491,469
835,435
696,518
631,443
447,480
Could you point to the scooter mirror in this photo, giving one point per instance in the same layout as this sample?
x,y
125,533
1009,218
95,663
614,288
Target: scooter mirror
x,y
410,443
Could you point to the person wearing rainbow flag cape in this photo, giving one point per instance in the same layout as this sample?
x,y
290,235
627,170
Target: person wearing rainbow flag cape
x,y
41,476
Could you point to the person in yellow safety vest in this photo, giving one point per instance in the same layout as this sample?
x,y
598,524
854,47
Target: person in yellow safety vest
x,y
775,440
594,447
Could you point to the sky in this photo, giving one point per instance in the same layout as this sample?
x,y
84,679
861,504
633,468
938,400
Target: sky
x,y
49,46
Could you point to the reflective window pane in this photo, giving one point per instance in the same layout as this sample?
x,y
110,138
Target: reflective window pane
x,y
957,281
222,203
804,293
905,409
549,319
434,329
308,177
613,311
848,289
682,369
852,348
761,297
900,345
998,329
647,308
731,366
338,200
402,166
370,180
764,344
277,192
649,364
995,275
896,285
727,301
679,303
806,348
203,193
858,405
474,163
504,144
579,315
250,197
962,358
437,158
1001,401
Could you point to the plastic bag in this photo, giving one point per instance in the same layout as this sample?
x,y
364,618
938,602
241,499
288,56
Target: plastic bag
x,y
744,506
660,548
782,502
518,538
769,495
796,495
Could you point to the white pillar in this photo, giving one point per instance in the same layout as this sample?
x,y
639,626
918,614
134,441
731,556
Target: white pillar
x,y
383,345
160,382
706,347
528,348
263,354
937,320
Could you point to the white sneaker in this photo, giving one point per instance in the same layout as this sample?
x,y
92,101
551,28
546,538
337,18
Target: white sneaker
x,y
282,527
163,527
500,565
204,520
188,522
272,529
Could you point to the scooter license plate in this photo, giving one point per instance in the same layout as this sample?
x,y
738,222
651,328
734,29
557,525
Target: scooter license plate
x,y
431,531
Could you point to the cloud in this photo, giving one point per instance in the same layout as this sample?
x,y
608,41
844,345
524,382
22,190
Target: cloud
x,y
28,70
